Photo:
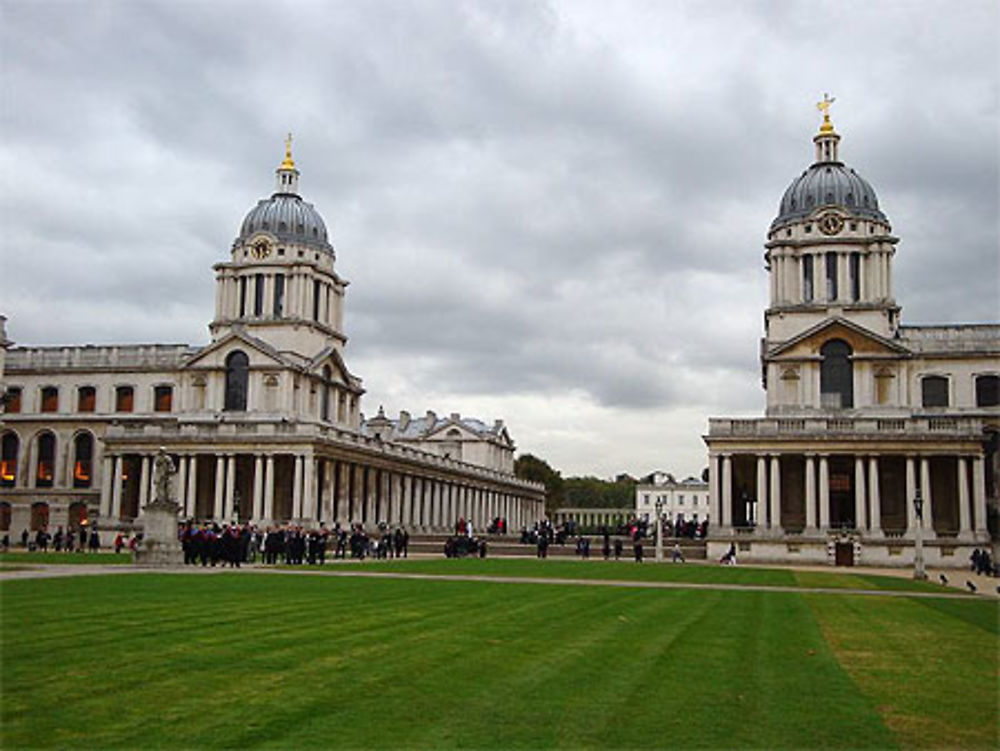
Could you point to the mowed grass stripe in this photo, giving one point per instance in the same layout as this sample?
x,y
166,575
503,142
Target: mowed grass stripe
x,y
930,666
278,661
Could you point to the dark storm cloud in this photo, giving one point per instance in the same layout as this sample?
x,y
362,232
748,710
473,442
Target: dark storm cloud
x,y
545,207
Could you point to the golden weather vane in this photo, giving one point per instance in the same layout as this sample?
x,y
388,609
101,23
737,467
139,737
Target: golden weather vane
x,y
289,163
824,107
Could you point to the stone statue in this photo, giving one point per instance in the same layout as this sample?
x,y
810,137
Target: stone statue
x,y
163,476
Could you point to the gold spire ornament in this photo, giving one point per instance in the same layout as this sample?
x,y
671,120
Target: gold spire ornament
x,y
824,107
289,163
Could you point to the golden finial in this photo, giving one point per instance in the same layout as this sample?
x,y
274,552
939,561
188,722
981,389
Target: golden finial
x,y
824,107
289,163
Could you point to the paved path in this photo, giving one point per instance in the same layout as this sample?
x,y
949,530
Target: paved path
x,y
354,570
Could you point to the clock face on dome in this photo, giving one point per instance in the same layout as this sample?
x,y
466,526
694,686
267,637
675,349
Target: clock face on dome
x,y
260,248
830,224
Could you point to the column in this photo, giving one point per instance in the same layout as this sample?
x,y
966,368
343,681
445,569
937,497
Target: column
x,y
824,492
727,491
309,487
875,519
859,493
811,493
269,487
406,498
925,484
911,489
192,489
107,478
220,485
964,520
776,493
230,506
714,499
256,504
144,483
760,513
979,496
341,514
181,487
370,496
116,488
297,487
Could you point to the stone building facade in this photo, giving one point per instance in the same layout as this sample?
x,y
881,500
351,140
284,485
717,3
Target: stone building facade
x,y
263,423
862,411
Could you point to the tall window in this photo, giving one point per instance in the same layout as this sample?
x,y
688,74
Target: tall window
x,y
279,295
12,400
8,460
934,391
807,278
316,291
163,398
50,399
237,378
855,273
124,398
83,460
45,470
836,375
324,406
831,276
987,391
258,295
243,296
86,399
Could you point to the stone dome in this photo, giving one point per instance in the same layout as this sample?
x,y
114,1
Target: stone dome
x,y
287,217
828,185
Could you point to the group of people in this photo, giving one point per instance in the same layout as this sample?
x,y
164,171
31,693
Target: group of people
x,y
982,563
70,541
211,544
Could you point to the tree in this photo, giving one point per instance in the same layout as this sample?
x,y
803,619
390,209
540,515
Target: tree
x,y
529,467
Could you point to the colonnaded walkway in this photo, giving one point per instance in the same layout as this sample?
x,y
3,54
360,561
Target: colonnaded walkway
x,y
986,586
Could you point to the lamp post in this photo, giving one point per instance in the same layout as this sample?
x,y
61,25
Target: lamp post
x,y
659,530
918,543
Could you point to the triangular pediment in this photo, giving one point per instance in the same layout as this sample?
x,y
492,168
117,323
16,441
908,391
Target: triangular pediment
x,y
452,430
331,357
861,340
214,355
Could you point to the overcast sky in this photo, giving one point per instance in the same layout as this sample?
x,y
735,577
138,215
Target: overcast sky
x,y
549,212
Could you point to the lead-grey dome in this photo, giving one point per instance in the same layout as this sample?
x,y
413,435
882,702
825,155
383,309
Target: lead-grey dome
x,y
287,217
828,184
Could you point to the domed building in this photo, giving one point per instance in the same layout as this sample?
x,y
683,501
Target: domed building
x,y
864,415
263,423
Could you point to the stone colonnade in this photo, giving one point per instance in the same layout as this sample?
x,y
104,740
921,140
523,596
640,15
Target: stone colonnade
x,y
592,517
310,488
811,492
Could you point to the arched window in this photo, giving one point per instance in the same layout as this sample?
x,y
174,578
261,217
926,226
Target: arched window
x,y
324,407
86,399
237,377
39,516
9,446
836,375
987,391
934,391
83,460
4,516
45,469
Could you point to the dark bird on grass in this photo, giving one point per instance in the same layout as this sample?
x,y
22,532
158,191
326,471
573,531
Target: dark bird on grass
x,y
944,580
971,586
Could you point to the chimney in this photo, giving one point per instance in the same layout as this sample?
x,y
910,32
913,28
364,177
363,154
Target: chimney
x,y
431,419
404,420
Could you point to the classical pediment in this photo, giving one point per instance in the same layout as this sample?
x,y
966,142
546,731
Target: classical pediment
x,y
258,351
863,342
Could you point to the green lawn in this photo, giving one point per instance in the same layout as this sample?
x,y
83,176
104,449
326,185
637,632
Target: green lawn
x,y
285,661
65,559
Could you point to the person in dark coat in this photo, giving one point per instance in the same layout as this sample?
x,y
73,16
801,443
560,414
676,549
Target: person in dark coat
x,y
95,541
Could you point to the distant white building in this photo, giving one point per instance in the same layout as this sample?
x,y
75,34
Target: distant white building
x,y
687,499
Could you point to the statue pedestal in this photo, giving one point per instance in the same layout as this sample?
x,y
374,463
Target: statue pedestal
x,y
160,547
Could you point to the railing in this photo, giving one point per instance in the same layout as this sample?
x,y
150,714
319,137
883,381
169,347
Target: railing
x,y
770,426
